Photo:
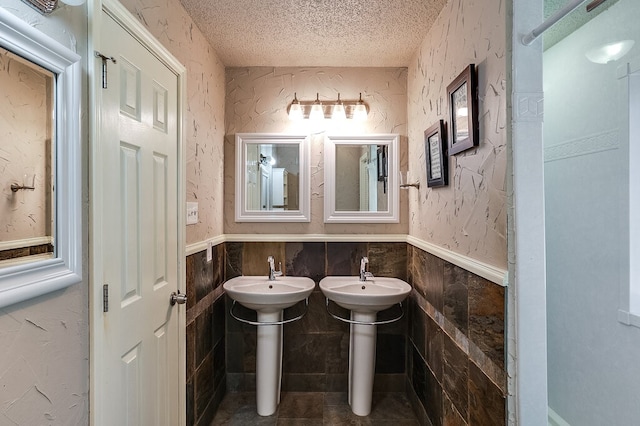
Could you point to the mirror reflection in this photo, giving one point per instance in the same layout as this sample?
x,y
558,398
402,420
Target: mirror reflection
x,y
361,175
361,184
26,160
272,177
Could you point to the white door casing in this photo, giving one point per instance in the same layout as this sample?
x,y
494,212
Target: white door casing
x,y
138,346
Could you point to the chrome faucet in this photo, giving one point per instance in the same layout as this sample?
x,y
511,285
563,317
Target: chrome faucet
x,y
272,269
364,274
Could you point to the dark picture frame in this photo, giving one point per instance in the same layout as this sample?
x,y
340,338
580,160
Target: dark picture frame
x,y
435,146
463,111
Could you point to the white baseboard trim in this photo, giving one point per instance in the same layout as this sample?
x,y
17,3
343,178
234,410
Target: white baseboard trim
x,y
330,238
486,271
489,272
203,245
555,419
26,242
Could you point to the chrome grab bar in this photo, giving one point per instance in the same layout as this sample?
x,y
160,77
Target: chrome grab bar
x,y
350,321
258,323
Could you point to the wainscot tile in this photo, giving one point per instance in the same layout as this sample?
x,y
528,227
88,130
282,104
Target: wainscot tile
x,y
388,260
203,275
218,265
344,258
435,350
486,402
456,374
233,259
456,306
306,260
203,386
305,353
451,415
486,318
204,335
254,257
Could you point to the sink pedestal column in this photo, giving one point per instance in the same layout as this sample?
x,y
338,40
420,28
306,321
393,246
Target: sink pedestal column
x,y
268,363
362,363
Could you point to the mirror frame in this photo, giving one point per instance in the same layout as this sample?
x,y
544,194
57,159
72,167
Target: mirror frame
x,y
24,281
392,215
303,212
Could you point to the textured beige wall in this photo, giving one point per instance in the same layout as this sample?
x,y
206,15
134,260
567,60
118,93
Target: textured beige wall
x,y
256,102
469,215
204,116
44,342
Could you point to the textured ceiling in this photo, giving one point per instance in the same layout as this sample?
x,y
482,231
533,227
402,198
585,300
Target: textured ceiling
x,y
362,33
571,22
342,33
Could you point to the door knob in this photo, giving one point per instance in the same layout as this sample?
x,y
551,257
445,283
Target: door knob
x,y
179,298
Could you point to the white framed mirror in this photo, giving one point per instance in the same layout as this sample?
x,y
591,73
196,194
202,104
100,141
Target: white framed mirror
x,y
272,178
361,183
40,207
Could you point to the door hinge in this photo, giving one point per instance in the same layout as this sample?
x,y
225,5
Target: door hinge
x,y
105,298
104,66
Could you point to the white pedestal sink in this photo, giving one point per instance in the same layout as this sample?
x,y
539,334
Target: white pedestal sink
x,y
364,299
268,298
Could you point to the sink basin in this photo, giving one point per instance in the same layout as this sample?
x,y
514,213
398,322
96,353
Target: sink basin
x,y
373,295
262,295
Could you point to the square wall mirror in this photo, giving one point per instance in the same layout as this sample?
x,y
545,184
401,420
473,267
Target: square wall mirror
x,y
272,178
40,207
361,183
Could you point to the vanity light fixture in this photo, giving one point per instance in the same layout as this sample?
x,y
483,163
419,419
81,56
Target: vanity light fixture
x,y
336,110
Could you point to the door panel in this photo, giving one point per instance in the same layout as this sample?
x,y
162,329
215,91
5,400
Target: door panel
x,y
139,235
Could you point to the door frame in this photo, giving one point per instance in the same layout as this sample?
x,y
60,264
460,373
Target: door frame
x,y
121,15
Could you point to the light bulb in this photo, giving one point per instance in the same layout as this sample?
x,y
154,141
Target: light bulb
x,y
338,112
316,110
360,110
295,110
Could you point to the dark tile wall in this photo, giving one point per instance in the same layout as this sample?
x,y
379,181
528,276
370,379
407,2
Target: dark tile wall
x,y
456,366
206,384
316,348
449,348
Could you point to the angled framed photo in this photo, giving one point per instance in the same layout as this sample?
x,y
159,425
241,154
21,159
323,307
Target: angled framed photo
x,y
435,145
463,111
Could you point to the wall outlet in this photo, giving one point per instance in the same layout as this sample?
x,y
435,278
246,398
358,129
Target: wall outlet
x,y
192,213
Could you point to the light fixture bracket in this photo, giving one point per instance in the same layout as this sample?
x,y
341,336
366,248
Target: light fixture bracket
x,y
327,106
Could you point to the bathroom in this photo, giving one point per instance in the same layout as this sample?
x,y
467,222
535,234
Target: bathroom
x,y
451,354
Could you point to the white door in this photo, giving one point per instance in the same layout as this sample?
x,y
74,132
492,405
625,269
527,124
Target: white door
x,y
253,186
136,343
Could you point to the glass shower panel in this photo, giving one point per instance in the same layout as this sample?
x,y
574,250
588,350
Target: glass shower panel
x,y
592,375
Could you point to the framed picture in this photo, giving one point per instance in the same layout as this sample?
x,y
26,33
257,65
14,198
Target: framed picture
x,y
435,145
463,111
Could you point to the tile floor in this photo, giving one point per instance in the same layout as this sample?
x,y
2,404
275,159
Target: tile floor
x,y
315,409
